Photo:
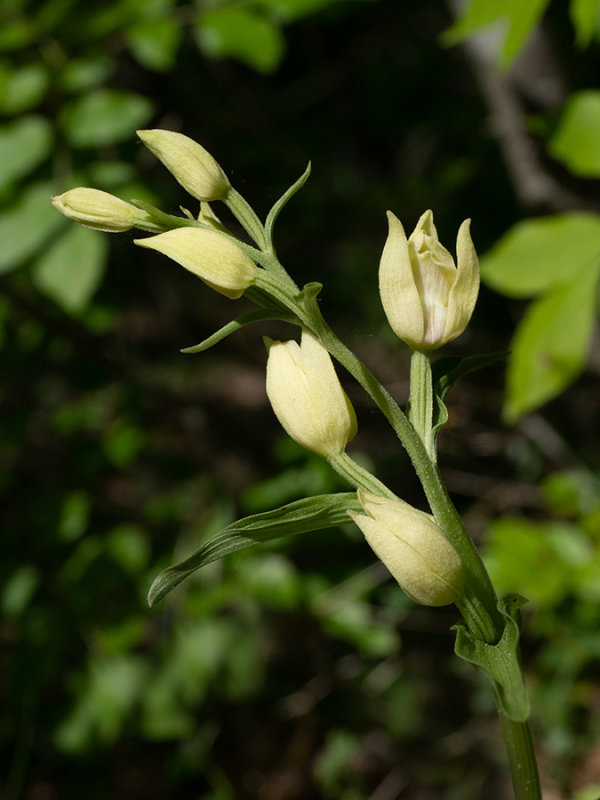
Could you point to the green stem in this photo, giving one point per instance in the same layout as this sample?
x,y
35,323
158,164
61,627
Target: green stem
x,y
521,758
480,588
358,476
246,216
421,400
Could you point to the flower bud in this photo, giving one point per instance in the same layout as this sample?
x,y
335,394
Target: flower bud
x,y
427,299
96,209
307,396
191,165
413,548
220,263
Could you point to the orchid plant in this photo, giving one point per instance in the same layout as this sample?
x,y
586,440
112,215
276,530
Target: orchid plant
x,y
428,299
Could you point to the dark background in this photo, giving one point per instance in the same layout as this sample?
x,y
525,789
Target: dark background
x,y
296,670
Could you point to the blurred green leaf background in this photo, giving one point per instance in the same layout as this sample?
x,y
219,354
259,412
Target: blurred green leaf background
x,y
296,670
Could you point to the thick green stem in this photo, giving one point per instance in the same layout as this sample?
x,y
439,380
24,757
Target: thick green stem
x,y
421,400
521,758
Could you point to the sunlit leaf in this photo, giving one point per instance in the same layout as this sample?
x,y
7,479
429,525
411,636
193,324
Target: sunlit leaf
x,y
517,19
551,344
576,141
585,16
540,254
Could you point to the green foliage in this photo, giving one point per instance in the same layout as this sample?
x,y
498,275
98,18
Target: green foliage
x,y
557,258
516,20
556,564
575,141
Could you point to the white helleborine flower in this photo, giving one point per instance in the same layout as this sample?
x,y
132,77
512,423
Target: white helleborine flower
x,y
427,299
96,209
413,548
209,255
307,396
189,163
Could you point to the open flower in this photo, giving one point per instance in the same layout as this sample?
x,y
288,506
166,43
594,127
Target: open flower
x,y
427,299
220,263
189,163
307,396
413,548
97,209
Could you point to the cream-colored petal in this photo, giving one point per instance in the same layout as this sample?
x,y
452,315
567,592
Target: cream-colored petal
x,y
465,289
397,288
307,397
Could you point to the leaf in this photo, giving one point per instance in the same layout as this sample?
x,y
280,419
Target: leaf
x,y
24,144
105,116
154,42
518,20
241,33
27,225
500,661
71,269
22,88
235,325
446,371
283,201
575,140
302,516
551,343
585,16
541,254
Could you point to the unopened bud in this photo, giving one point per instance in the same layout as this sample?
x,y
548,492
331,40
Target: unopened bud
x,y
189,163
209,255
97,209
307,396
413,548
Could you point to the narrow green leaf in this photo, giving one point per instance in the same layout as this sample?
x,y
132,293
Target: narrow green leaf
x,y
283,201
540,254
235,325
551,344
500,661
302,516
